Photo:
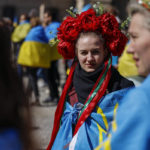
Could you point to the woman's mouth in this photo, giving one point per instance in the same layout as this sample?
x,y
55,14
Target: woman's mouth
x,y
90,65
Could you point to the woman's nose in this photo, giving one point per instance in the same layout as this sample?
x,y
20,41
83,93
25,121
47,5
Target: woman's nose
x,y
89,57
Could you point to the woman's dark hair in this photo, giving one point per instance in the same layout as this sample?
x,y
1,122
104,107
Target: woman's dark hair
x,y
14,112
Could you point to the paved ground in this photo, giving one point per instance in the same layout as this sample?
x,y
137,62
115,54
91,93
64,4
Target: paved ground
x,y
42,125
43,115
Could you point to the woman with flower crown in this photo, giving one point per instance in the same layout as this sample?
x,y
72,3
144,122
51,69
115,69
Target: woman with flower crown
x,y
132,119
94,88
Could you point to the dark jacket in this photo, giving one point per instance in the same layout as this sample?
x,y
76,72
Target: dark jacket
x,y
118,82
83,82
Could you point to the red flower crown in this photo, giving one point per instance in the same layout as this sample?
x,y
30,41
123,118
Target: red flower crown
x,y
105,24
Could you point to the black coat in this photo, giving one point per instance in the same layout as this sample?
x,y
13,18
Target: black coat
x,y
118,82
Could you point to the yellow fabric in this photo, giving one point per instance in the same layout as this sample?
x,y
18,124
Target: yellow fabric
x,y
106,144
54,52
35,54
20,32
114,124
126,65
101,130
68,70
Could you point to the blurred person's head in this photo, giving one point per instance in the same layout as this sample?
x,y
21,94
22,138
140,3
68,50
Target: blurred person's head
x,y
47,17
23,17
139,31
8,23
14,111
35,21
112,10
33,13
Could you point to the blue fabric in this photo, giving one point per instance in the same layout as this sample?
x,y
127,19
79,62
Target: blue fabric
x,y
88,134
114,60
86,7
64,135
10,140
51,30
37,34
133,121
15,20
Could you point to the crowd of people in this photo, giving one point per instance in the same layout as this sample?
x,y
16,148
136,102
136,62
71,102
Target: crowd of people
x,y
103,105
34,55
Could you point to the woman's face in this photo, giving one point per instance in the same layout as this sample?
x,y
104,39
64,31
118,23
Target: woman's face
x,y
140,44
90,52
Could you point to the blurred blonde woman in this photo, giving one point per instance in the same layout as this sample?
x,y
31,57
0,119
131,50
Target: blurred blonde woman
x,y
132,123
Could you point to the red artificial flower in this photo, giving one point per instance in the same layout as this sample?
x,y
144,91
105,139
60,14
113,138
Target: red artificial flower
x,y
116,43
88,20
69,29
108,24
66,49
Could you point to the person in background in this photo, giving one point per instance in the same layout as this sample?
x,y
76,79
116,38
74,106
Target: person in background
x,y
18,36
114,11
15,120
131,121
93,88
21,31
8,23
34,54
53,74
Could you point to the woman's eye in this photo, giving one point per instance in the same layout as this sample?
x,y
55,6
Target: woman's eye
x,y
83,53
132,36
95,52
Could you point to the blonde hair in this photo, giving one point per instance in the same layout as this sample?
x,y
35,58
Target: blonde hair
x,y
137,8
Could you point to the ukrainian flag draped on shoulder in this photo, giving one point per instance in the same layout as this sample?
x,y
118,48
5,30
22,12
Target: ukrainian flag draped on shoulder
x,y
51,33
21,32
92,118
97,124
35,50
132,123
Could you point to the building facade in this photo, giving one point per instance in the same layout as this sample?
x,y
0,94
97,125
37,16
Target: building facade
x,y
12,8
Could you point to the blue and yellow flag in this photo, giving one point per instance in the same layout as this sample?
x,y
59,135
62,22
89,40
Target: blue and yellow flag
x,y
35,50
132,123
94,130
21,32
51,33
